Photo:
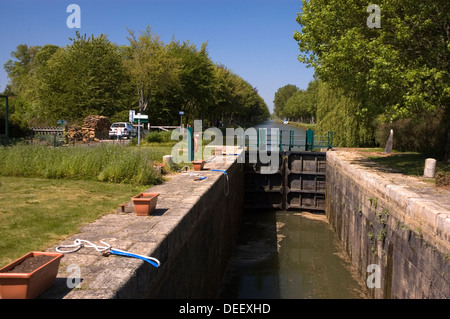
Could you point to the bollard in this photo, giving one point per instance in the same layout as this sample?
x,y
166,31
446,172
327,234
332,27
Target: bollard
x,y
168,160
430,168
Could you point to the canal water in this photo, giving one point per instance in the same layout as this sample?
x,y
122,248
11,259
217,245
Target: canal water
x,y
299,134
289,255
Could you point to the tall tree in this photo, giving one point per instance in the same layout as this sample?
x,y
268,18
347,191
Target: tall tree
x,y
396,71
23,85
281,96
84,78
196,89
150,65
302,105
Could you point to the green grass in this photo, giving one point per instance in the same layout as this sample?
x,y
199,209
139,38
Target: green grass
x,y
408,163
47,193
35,214
306,126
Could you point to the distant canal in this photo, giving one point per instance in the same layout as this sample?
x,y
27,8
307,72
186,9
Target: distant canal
x,y
299,134
288,255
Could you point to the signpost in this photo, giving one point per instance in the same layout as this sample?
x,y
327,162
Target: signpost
x,y
131,116
140,119
181,121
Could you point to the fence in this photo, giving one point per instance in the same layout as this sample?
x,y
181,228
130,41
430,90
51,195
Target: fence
x,y
53,131
287,140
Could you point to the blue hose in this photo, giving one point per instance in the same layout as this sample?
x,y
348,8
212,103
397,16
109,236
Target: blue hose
x,y
227,182
219,170
126,254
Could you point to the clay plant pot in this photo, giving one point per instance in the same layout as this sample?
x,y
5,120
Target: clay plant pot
x,y
145,203
29,284
198,165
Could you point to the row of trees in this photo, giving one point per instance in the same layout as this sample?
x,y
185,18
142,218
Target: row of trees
x,y
296,104
374,79
95,76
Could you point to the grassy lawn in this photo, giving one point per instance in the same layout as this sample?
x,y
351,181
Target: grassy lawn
x,y
47,193
36,214
408,163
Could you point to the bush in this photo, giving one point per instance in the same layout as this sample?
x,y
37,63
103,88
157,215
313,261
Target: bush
x,y
424,133
159,137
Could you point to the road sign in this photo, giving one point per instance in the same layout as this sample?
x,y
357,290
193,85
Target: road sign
x,y
140,118
131,115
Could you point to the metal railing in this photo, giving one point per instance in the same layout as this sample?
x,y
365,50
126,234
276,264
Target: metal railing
x,y
287,140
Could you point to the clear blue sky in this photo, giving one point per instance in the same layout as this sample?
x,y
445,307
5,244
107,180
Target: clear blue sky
x,y
253,38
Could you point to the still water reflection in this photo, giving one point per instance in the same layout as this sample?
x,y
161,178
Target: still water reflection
x,y
285,255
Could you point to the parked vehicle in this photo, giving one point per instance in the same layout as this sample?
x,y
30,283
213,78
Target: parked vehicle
x,y
123,130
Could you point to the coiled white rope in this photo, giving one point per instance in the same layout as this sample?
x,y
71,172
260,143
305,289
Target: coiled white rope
x,y
80,243
106,249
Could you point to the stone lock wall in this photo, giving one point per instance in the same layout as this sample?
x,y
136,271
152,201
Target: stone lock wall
x,y
192,233
398,223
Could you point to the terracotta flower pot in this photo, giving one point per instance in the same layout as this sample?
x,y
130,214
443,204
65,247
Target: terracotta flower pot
x,y
198,165
29,285
145,203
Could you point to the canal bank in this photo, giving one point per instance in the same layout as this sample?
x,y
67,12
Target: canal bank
x,y
392,226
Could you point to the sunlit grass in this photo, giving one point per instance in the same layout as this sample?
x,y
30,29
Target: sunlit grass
x,y
408,163
47,193
36,214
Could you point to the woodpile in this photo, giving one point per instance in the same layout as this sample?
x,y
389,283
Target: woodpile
x,y
94,129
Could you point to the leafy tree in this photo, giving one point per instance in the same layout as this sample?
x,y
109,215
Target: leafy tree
x,y
236,100
151,66
22,72
94,76
195,93
302,105
397,71
84,78
337,113
281,96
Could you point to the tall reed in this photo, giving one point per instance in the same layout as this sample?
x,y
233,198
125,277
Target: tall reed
x,y
107,163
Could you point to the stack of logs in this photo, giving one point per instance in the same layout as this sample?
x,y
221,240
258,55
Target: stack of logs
x,y
94,129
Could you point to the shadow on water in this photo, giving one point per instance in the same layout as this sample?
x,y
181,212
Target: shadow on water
x,y
286,255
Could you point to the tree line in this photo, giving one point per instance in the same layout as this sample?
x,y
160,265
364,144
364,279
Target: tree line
x,y
93,76
374,79
296,104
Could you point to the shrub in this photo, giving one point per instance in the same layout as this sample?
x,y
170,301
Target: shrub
x,y
424,133
159,137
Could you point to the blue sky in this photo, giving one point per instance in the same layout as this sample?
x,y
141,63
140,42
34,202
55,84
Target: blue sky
x,y
253,38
